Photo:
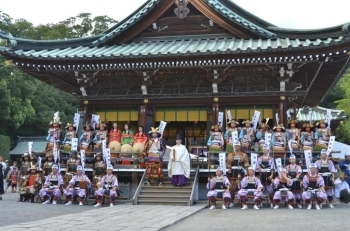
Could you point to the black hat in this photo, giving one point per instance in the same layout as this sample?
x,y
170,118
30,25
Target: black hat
x,y
74,153
178,137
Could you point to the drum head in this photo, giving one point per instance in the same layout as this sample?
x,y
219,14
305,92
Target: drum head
x,y
138,147
114,146
126,148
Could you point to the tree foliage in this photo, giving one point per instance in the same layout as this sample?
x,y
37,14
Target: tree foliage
x,y
27,104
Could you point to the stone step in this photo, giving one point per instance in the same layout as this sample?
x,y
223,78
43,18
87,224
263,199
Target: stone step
x,y
162,202
170,186
146,190
164,196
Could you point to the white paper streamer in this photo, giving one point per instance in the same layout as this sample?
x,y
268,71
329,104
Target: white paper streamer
x,y
255,119
222,162
329,117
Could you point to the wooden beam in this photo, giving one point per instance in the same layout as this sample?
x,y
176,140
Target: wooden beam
x,y
312,82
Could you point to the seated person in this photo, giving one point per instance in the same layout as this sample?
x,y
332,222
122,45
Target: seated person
x,y
219,187
342,189
109,188
52,186
78,186
282,183
250,187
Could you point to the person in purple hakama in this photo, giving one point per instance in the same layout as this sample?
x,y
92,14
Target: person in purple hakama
x,y
294,172
52,186
266,167
109,188
282,183
250,187
326,168
179,164
78,186
219,188
314,184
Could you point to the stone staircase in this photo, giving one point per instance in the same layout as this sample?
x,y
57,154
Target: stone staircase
x,y
166,195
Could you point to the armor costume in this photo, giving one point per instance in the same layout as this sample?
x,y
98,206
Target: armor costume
x,y
71,167
47,167
307,136
293,135
216,140
326,168
99,169
85,139
260,135
247,136
250,188
100,136
232,126
322,136
278,138
237,163
29,185
78,186
153,153
218,187
294,172
70,134
25,165
52,186
314,184
282,184
109,187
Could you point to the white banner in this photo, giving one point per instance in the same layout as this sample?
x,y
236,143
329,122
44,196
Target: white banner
x,y
39,163
234,137
107,156
55,152
289,116
82,158
255,119
330,144
253,160
268,136
221,118
76,120
94,120
162,126
74,146
277,119
311,114
229,116
104,144
278,164
329,117
30,147
308,158
222,162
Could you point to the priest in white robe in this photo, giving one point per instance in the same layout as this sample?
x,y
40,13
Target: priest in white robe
x,y
179,164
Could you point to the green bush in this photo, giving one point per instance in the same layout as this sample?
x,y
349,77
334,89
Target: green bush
x,y
5,144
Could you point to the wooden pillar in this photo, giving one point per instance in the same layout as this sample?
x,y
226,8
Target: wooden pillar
x,y
281,109
215,113
85,113
142,115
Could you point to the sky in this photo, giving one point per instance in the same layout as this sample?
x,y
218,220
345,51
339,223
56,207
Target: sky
x,y
296,14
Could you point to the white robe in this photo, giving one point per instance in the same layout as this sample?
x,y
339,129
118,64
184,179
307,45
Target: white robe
x,y
181,165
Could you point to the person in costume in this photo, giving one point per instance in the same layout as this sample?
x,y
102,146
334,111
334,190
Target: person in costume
x,y
322,135
237,163
260,135
232,127
216,140
52,186
127,139
314,185
100,135
25,165
109,187
326,168
278,138
307,136
153,153
250,187
342,189
78,186
345,167
266,167
247,136
115,136
282,184
140,139
98,169
179,163
47,167
293,135
294,172
71,166
29,185
86,136
68,136
54,133
219,188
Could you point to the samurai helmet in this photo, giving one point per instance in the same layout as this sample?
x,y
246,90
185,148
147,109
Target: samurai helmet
x,y
216,127
280,126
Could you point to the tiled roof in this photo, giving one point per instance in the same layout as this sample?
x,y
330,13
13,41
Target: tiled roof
x,y
39,145
195,46
238,19
319,113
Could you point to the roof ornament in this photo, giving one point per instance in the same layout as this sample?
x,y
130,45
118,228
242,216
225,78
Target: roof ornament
x,y
181,11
